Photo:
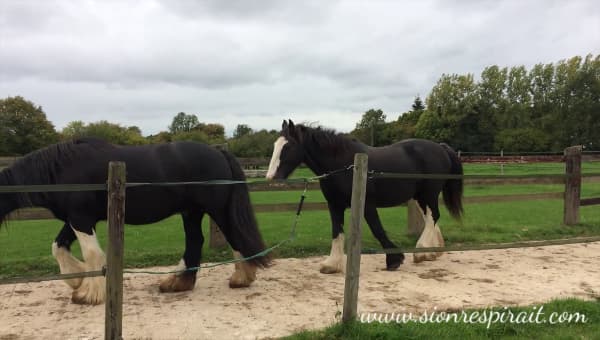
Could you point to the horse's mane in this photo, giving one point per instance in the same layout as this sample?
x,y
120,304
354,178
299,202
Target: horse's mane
x,y
43,165
326,138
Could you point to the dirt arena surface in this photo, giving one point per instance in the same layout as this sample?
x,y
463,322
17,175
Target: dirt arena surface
x,y
293,295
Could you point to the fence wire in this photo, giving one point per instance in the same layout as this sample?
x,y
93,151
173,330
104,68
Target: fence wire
x,y
372,175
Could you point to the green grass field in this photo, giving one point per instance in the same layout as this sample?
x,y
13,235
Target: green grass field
x,y
25,245
467,331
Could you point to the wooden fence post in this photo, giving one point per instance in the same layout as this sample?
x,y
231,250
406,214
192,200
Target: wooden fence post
x,y
572,184
359,193
415,220
113,319
217,239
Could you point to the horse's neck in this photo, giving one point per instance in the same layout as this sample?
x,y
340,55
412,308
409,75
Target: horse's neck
x,y
9,202
323,160
14,201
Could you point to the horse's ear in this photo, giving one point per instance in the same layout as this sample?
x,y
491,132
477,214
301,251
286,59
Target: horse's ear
x,y
291,124
288,130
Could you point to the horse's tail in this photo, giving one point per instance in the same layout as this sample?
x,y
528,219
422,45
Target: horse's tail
x,y
244,229
453,188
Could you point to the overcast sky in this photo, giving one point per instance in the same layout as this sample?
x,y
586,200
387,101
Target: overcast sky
x,y
259,62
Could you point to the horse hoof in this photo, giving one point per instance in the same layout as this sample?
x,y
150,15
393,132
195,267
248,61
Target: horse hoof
x,y
420,257
332,265
90,292
178,283
240,280
329,269
393,261
243,276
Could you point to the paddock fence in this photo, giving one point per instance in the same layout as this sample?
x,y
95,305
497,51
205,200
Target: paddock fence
x,y
572,179
116,188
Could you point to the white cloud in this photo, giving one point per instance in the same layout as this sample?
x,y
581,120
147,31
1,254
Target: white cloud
x,y
139,63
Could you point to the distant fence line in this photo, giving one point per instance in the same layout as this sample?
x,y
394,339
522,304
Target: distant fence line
x,y
469,157
254,163
40,213
469,180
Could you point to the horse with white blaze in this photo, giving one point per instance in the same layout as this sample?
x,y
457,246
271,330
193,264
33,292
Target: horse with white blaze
x,y
325,151
85,161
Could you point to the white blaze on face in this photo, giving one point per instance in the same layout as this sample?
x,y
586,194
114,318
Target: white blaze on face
x,y
276,158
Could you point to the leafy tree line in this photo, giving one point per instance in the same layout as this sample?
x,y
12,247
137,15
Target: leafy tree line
x,y
546,108
24,127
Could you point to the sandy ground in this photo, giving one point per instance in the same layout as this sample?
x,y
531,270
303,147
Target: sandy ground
x,y
293,295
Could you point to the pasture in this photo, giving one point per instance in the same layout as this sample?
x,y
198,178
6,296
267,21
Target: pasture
x,y
25,245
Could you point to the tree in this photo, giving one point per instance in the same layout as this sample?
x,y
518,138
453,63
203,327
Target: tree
x,y
451,114
241,130
418,105
369,128
111,132
522,140
491,103
23,127
406,124
577,96
255,144
74,129
161,137
518,95
183,122
203,133
192,136
214,132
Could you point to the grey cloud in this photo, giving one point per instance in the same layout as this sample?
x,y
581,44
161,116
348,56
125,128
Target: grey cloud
x,y
141,62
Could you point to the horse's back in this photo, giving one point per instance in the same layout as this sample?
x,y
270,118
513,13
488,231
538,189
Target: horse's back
x,y
157,163
411,156
178,161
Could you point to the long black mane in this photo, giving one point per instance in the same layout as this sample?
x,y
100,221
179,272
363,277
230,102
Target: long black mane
x,y
324,138
43,166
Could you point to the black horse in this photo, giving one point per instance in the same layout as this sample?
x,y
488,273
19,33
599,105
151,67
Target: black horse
x,y
324,151
85,161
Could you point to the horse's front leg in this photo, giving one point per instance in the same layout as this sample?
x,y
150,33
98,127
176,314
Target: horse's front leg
x,y
92,290
185,277
431,237
393,261
335,262
61,250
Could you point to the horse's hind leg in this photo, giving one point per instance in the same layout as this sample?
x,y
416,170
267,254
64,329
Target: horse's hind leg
x,y
393,261
245,272
92,289
335,262
61,250
432,235
194,239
